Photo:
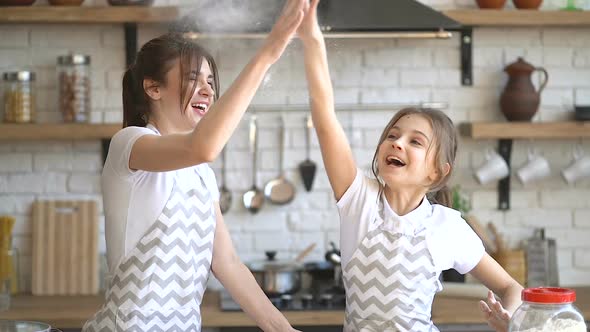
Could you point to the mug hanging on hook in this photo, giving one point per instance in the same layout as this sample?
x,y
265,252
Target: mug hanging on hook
x,y
535,168
579,167
494,168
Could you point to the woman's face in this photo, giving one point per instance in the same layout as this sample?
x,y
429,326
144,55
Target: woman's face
x,y
200,101
404,156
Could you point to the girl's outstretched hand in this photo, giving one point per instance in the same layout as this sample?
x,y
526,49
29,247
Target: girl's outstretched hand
x,y
309,26
497,317
284,29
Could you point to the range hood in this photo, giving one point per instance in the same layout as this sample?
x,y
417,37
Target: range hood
x,y
337,18
345,18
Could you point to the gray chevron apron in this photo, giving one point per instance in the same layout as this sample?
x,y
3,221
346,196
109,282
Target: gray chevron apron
x,y
391,279
159,286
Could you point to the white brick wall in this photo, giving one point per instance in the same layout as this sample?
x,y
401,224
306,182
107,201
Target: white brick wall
x,y
364,71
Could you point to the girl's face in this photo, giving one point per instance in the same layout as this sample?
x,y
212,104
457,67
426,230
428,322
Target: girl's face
x,y
404,157
199,102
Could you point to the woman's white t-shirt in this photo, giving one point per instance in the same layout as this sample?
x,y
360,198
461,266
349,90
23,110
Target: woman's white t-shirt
x,y
452,243
133,200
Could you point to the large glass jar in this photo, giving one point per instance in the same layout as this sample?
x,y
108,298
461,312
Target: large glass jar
x,y
547,309
19,97
74,87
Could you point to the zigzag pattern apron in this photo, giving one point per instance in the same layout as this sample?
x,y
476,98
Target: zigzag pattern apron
x,y
391,280
160,285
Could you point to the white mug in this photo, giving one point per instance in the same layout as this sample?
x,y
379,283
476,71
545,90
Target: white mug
x,y
578,169
536,167
494,168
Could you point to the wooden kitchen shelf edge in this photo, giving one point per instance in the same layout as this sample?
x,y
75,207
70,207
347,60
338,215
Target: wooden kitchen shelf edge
x,y
90,14
516,130
57,131
167,14
519,17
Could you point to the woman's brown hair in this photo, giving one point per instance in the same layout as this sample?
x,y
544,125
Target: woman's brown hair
x,y
444,145
153,61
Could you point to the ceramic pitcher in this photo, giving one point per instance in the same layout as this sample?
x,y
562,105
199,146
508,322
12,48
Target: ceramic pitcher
x,y
519,100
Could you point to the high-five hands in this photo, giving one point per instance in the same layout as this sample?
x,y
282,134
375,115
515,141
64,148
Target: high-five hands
x,y
285,28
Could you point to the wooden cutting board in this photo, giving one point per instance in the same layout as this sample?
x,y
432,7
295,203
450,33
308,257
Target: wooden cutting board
x,y
65,248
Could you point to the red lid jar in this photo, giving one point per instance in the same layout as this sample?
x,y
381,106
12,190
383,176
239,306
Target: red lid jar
x,y
547,309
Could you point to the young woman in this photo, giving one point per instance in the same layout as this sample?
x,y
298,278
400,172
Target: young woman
x,y
164,229
394,242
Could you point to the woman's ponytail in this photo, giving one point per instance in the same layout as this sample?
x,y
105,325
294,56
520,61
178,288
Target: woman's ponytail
x,y
133,108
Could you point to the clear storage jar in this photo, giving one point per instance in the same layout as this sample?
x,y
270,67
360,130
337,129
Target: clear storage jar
x,y
74,87
547,309
19,97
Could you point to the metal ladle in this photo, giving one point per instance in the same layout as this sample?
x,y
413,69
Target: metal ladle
x,y
279,190
254,198
224,193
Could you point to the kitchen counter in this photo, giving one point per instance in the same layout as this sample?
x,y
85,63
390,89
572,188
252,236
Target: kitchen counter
x,y
73,311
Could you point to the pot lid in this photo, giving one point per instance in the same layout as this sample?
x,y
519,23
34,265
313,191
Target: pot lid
x,y
23,326
272,264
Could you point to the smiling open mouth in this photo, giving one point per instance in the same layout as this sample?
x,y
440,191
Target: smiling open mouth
x,y
200,108
394,161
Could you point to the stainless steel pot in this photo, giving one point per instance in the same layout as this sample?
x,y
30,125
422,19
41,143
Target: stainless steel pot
x,y
277,277
24,326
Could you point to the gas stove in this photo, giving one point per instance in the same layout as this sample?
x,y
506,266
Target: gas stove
x,y
303,300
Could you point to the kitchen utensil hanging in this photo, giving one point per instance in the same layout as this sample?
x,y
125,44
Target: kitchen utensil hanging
x,y
224,193
254,198
279,190
307,167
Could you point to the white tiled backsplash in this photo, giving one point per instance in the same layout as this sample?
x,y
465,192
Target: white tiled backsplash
x,y
364,72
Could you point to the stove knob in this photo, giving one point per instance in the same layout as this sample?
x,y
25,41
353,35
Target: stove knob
x,y
286,300
306,300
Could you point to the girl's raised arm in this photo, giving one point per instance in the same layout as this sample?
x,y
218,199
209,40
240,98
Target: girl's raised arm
x,y
336,151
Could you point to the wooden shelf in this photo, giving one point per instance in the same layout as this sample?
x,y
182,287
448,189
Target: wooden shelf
x,y
50,14
57,131
516,130
167,14
520,17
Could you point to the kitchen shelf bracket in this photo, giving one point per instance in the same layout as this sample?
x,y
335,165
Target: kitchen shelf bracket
x,y
130,42
466,56
505,150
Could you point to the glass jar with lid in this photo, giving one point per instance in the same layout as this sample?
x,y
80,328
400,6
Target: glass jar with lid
x,y
19,97
547,309
74,87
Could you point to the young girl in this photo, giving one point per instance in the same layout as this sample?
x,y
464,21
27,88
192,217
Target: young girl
x,y
394,241
164,229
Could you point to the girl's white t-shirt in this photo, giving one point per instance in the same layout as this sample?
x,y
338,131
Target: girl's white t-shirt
x,y
133,200
452,243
